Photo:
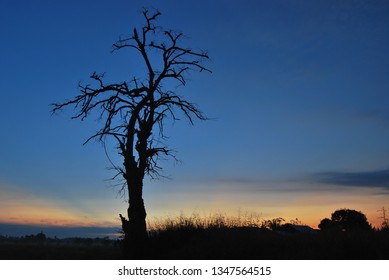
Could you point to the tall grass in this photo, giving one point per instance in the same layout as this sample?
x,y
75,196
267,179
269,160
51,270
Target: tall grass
x,y
212,221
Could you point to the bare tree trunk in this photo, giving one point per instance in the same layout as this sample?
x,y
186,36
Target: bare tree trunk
x,y
135,231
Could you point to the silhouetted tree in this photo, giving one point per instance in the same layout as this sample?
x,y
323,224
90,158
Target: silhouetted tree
x,y
345,220
326,224
134,113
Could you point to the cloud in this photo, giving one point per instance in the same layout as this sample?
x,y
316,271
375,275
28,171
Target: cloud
x,y
379,178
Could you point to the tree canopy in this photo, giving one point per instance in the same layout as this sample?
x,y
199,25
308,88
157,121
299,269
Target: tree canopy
x,y
345,220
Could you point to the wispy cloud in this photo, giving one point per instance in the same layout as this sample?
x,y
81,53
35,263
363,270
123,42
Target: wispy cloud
x,y
378,178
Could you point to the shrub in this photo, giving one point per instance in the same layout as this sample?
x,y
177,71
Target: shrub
x,y
345,220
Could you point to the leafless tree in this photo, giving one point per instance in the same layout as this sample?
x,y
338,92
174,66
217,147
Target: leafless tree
x,y
134,113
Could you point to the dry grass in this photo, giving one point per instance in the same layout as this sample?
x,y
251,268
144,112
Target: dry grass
x,y
215,236
212,221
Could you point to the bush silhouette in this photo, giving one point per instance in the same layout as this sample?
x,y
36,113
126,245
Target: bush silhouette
x,y
326,224
345,220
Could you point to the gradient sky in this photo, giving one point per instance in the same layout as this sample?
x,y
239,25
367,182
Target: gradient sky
x,y
298,101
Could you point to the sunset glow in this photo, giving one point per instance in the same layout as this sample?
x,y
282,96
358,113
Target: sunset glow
x,y
309,207
297,105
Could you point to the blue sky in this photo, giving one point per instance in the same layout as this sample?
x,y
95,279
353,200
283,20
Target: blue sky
x,y
298,107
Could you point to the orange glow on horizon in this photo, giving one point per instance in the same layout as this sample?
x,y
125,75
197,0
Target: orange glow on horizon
x,y
309,207
62,218
21,207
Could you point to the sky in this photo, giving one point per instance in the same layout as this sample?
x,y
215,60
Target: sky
x,y
297,104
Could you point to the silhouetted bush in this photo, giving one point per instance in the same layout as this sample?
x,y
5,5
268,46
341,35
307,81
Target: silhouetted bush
x,y
345,220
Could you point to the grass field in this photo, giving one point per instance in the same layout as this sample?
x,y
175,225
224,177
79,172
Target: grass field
x,y
215,238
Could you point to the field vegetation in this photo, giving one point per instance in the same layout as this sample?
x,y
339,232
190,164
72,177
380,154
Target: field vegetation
x,y
216,236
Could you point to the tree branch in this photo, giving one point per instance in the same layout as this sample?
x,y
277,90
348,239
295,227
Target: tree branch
x,y
129,111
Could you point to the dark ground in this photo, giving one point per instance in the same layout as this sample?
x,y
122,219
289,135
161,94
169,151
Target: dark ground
x,y
231,243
